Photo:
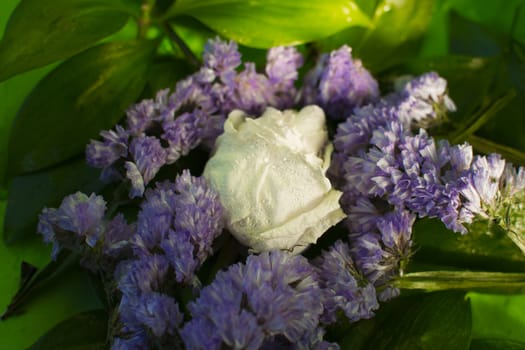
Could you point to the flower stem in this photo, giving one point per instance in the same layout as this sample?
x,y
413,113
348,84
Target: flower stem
x,y
144,21
486,146
482,118
495,282
175,38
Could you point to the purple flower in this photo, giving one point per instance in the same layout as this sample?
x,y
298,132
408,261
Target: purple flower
x,y
182,135
339,84
272,294
423,101
384,254
47,227
367,254
117,236
512,181
183,219
364,212
145,116
156,311
191,95
135,177
78,220
343,286
83,215
486,174
179,248
253,91
102,154
282,64
135,341
221,59
155,218
396,231
313,341
481,194
361,175
218,312
354,134
199,212
144,306
441,178
159,131
379,158
145,275
148,157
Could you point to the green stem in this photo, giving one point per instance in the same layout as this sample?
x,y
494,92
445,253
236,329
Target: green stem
x,y
482,118
486,146
495,282
174,37
144,20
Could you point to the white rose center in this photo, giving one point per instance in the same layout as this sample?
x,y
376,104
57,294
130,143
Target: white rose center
x,y
271,179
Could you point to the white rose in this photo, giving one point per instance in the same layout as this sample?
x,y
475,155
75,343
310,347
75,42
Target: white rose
x,y
271,179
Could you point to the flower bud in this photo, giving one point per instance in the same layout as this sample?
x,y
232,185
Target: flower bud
x,y
270,176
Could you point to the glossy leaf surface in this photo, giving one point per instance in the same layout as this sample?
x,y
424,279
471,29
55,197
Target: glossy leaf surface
x,y
421,321
84,331
42,32
29,194
84,95
275,22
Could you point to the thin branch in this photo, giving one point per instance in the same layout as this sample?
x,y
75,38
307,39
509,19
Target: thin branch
x,y
181,44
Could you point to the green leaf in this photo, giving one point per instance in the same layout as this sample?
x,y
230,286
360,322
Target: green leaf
x,y
470,38
84,331
270,23
486,247
435,41
393,37
433,321
28,194
39,280
420,321
479,119
67,294
42,32
498,316
499,15
496,344
165,73
84,95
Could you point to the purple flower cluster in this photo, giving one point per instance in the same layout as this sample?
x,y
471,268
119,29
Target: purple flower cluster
x,y
492,186
146,311
423,102
181,218
383,252
78,224
175,231
389,169
160,131
338,84
272,301
389,175
78,221
390,172
343,286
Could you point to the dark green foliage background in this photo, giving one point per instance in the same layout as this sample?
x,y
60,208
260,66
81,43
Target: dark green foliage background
x,y
479,46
